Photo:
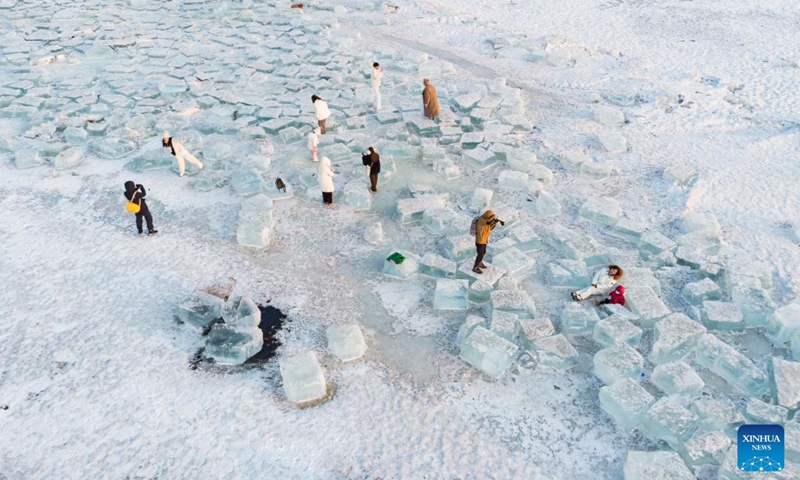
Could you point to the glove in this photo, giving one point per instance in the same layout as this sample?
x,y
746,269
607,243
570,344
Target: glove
x,y
502,223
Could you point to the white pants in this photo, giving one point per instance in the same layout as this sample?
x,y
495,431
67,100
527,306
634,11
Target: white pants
x,y
590,291
184,157
376,90
314,154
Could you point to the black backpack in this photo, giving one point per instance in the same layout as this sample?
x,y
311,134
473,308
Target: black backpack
x,y
280,185
366,160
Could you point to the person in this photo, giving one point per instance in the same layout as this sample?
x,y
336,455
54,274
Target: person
x,y
322,112
616,297
313,141
177,150
377,74
374,168
486,224
325,175
430,101
135,193
602,283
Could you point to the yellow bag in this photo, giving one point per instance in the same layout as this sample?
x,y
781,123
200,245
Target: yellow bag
x,y
134,207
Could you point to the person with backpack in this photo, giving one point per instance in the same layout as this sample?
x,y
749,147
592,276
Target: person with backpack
x,y
430,101
325,176
177,150
616,297
372,161
313,141
135,194
322,112
602,283
377,74
482,228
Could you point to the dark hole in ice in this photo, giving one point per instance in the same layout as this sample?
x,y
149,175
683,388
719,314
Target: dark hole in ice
x,y
272,321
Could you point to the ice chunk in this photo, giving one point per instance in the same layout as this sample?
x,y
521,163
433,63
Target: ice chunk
x,y
620,311
572,159
722,316
677,378
644,302
488,352
754,302
695,222
760,412
479,158
471,140
603,210
683,175
505,324
69,158
526,239
609,116
655,243
784,322
568,273
112,149
233,344
657,465
705,289
615,363
705,242
547,205
614,330
490,275
346,341
556,352
479,292
641,277
200,309
521,160
612,141
626,402
516,263
451,294
669,421
705,448
357,195
257,209
717,414
253,234
373,234
406,269
246,182
461,247
467,327
513,180
675,337
629,230
243,312
513,301
732,366
596,170
786,382
481,199
446,168
303,378
575,319
423,127
532,330
438,219
436,266
792,441
75,136
413,209
467,101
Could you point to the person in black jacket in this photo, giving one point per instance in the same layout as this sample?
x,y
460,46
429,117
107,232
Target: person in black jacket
x,y
374,168
135,193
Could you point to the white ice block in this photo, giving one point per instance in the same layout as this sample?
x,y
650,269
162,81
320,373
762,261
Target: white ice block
x,y
467,327
541,173
641,277
784,322
244,312
512,180
438,219
436,266
754,302
722,316
761,412
257,209
547,205
303,378
612,141
785,377
683,175
572,159
654,242
659,465
479,158
532,330
677,378
346,341
717,414
644,302
626,402
200,309
609,116
413,209
669,421
556,352
596,170
705,448
615,363
491,274
461,247
373,233
698,292
513,301
446,168
604,210
481,200
516,263
527,240
614,329
233,344
629,229
576,319
521,160
568,273
451,294
488,352
505,324
357,195
256,235
479,291
724,360
675,337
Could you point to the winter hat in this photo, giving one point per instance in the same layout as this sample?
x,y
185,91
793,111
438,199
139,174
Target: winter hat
x,y
620,290
130,186
166,134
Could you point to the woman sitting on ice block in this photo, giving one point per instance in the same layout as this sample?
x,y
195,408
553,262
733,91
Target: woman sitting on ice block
x,y
602,283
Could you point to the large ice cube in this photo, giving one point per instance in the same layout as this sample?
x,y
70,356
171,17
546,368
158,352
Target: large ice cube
x,y
242,312
617,362
541,173
233,344
253,234
303,378
785,376
556,352
677,378
513,180
705,289
200,309
479,158
705,448
669,421
373,233
626,401
614,330
346,341
451,294
612,141
527,240
572,159
629,229
505,324
488,352
491,274
761,412
446,168
609,116
481,200
461,247
436,266
532,330
722,316
576,319
406,269
644,302
784,322
732,366
568,273
656,466
413,209
547,205
467,327
357,195
675,337
246,182
604,210
754,302
257,209
75,136
516,263
69,158
479,292
521,160
513,301
717,414
654,242
642,277
438,219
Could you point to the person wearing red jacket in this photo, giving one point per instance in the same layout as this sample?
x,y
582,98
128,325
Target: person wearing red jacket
x,y
617,296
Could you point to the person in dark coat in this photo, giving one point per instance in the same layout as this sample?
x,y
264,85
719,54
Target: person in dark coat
x,y
374,168
135,193
486,224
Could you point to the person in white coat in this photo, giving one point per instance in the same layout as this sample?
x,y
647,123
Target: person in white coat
x,y
602,283
176,149
377,74
322,112
313,141
325,175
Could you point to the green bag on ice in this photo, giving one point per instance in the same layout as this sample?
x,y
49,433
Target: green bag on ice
x,y
396,258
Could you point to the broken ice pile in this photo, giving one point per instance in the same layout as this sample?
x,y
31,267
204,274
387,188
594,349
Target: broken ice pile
x,y
239,338
255,222
200,309
303,378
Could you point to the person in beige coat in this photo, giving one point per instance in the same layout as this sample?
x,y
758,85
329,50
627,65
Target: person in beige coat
x,y
177,150
430,101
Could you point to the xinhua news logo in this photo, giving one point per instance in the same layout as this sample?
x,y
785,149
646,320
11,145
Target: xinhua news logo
x,y
761,448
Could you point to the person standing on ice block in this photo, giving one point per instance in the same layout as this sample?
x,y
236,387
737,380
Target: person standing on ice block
x,y
602,283
325,176
135,194
377,74
616,297
430,101
177,150
373,168
313,141
322,112
484,227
